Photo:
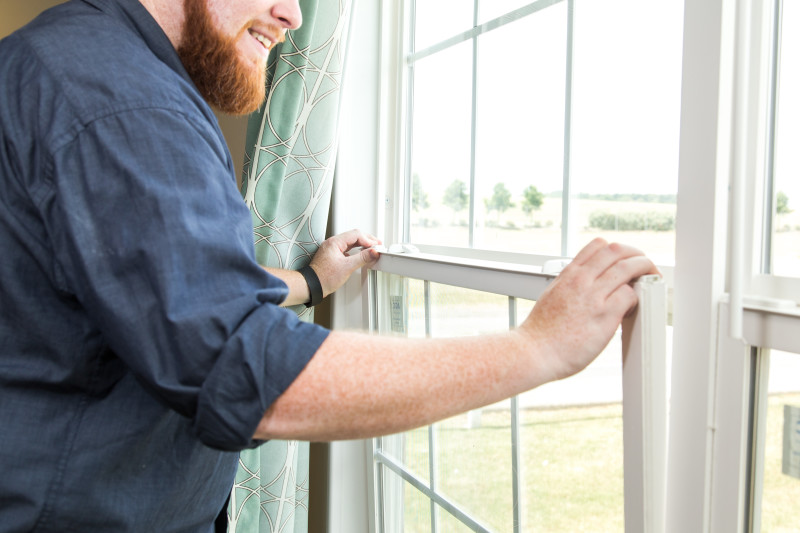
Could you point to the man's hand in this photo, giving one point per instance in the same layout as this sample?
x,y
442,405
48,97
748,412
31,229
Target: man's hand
x,y
579,312
334,265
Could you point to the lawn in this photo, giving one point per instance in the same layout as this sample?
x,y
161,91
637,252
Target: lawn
x,y
571,470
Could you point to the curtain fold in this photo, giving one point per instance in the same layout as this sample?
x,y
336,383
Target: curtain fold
x,y
287,182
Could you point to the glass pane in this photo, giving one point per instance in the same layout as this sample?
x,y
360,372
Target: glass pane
x,y
781,490
440,152
405,509
572,457
492,9
625,123
572,464
473,450
520,134
441,19
571,446
474,465
786,226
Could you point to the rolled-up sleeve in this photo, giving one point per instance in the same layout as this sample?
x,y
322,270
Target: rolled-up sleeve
x,y
155,243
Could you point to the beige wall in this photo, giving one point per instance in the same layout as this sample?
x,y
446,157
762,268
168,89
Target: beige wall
x,y
16,13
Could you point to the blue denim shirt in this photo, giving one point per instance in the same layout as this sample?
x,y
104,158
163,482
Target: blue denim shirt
x,y
140,342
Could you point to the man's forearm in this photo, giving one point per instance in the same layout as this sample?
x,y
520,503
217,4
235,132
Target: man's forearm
x,y
298,288
359,386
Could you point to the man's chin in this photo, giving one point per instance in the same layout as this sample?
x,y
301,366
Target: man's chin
x,y
240,97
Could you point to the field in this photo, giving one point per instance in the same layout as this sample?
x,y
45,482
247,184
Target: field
x,y
540,233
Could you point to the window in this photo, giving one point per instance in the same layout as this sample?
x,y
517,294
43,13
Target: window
x,y
733,252
520,140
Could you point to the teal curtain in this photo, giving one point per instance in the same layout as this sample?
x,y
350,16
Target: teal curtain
x,y
287,182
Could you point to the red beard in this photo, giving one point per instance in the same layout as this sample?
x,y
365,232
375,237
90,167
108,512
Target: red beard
x,y
226,81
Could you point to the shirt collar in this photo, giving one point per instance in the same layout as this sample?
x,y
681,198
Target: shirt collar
x,y
133,14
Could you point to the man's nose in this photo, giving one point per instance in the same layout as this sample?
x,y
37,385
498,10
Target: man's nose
x,y
287,12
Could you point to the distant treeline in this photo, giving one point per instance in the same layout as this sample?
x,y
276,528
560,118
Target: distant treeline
x,y
624,197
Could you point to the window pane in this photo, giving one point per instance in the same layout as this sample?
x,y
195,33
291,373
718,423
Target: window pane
x,y
405,509
781,490
520,134
786,226
571,446
625,123
491,9
441,19
474,465
440,151
572,456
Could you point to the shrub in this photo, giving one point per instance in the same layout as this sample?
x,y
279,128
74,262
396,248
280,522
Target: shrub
x,y
632,221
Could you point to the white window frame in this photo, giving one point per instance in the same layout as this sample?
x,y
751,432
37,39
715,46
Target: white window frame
x,y
708,437
718,321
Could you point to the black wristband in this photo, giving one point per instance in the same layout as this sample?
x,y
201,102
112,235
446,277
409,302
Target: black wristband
x,y
314,286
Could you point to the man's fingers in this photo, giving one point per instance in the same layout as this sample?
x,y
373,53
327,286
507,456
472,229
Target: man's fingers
x,y
601,259
351,239
624,271
588,251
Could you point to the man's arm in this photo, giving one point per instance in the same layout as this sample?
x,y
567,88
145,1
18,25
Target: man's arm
x,y
332,264
359,385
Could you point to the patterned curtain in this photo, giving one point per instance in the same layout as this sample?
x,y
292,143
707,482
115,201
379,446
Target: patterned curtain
x,y
286,183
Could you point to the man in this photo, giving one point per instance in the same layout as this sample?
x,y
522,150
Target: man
x,y
141,344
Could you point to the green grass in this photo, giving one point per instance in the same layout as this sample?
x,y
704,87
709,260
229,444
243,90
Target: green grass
x,y
571,462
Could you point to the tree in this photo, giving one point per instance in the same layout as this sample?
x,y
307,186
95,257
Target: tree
x,y
782,204
456,197
531,199
419,198
500,200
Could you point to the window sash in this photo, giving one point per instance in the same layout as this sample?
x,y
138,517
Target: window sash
x,y
644,385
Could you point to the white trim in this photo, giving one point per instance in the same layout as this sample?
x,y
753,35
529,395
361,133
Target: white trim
x,y
356,205
700,258
500,278
644,408
776,329
729,426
